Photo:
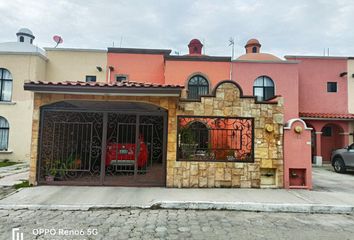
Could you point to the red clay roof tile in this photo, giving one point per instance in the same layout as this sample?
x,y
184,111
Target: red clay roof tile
x,y
124,84
327,115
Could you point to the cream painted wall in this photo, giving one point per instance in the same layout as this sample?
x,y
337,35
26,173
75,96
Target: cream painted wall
x,y
19,112
74,64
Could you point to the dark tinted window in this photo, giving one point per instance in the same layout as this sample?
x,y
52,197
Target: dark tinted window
x,y
197,86
327,131
263,88
331,87
90,78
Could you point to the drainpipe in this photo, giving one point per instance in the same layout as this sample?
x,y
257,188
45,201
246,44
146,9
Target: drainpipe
x,y
109,75
110,69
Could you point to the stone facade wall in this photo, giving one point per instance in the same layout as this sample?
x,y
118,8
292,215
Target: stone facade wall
x,y
268,148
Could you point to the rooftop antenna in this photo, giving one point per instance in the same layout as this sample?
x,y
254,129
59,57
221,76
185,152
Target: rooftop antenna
x,y
203,46
121,41
58,40
231,43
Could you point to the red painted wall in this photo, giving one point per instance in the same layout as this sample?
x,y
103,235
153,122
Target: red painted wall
x,y
284,75
179,72
297,155
314,74
138,67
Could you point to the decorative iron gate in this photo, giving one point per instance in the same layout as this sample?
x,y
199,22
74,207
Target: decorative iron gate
x,y
89,147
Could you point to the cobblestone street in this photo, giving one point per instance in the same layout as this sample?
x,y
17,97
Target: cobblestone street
x,y
175,224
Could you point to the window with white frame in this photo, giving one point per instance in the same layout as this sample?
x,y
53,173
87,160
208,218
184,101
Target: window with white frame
x,y
5,85
263,88
4,134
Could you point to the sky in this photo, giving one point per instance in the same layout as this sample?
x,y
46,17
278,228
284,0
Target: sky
x,y
283,27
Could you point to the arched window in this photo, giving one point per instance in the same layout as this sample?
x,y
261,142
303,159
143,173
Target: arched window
x,y
197,86
254,50
4,134
22,39
263,88
201,134
5,85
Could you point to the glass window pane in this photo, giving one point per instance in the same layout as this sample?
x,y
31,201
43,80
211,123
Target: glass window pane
x,y
6,90
193,81
3,123
6,74
258,82
258,92
269,93
268,82
4,134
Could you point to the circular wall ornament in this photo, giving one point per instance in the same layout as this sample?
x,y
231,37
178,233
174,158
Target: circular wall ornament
x,y
298,129
269,128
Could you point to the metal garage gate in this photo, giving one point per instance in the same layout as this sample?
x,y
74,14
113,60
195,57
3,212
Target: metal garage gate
x,y
102,143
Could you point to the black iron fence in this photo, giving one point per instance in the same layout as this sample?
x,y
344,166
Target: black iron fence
x,y
215,139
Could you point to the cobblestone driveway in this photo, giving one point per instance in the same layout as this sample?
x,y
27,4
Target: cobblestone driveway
x,y
177,224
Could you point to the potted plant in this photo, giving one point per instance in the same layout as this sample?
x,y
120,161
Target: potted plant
x,y
52,172
230,155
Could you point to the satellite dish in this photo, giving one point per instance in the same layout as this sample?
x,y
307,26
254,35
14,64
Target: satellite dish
x,y
57,39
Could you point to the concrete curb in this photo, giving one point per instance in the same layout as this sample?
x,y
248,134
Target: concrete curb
x,y
200,205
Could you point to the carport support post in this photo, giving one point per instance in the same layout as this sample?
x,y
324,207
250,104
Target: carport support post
x,y
103,147
137,145
318,155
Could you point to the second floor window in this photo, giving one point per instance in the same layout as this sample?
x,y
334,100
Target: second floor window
x,y
331,87
263,88
121,78
197,86
90,78
5,85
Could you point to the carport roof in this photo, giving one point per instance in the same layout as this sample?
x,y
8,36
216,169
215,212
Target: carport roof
x,y
125,88
311,115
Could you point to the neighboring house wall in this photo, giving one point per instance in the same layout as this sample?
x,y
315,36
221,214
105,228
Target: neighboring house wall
x,y
284,76
75,64
179,72
350,79
18,112
147,68
314,73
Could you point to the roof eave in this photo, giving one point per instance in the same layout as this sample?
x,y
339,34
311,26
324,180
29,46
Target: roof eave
x,y
338,119
109,91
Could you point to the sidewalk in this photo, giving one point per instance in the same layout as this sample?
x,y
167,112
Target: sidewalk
x,y
89,198
13,174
